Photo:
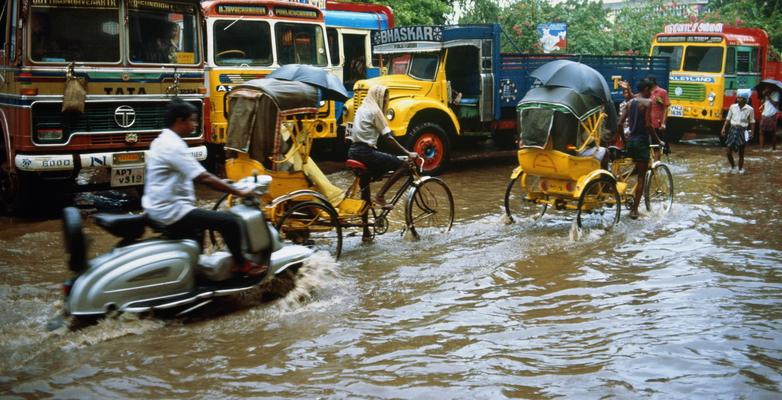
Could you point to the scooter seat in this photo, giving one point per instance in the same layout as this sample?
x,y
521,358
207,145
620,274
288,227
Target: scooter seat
x,y
122,225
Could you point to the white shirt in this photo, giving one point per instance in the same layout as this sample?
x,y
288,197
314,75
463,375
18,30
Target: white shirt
x,y
742,117
168,189
768,107
366,129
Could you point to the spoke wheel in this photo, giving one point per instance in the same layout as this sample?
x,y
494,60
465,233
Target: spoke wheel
x,y
599,205
312,224
518,207
658,189
429,210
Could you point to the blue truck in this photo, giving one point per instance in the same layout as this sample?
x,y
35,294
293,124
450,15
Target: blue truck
x,y
449,83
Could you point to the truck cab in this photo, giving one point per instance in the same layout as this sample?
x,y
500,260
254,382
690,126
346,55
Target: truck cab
x,y
441,82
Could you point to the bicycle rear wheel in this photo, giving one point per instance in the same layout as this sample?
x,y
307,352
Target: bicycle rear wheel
x,y
599,205
518,206
658,189
429,210
312,224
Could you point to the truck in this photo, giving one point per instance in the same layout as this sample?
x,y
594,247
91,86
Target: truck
x,y
709,63
430,67
123,64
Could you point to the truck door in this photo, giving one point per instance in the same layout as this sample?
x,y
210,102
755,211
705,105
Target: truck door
x,y
488,94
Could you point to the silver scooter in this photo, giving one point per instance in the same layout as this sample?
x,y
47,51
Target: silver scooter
x,y
162,273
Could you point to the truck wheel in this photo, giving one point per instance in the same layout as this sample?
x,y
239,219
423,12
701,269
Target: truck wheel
x,y
15,191
430,142
675,131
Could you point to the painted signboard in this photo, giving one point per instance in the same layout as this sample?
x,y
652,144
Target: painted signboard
x,y
552,37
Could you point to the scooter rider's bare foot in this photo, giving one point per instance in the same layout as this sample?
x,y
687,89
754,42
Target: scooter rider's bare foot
x,y
250,268
634,214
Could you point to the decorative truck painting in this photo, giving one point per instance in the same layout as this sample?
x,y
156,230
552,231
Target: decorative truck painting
x,y
78,111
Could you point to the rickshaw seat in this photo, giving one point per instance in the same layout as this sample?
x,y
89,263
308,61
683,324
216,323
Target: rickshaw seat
x,y
555,164
242,166
356,165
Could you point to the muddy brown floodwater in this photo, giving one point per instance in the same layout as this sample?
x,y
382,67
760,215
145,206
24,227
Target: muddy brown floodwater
x,y
686,305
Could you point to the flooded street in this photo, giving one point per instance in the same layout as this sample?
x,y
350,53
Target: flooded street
x,y
687,305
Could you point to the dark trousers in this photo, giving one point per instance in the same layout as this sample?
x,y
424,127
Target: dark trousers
x,y
194,223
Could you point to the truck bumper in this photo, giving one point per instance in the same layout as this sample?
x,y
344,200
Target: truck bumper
x,y
77,162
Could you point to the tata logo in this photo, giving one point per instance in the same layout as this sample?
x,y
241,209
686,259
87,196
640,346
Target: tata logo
x,y
125,116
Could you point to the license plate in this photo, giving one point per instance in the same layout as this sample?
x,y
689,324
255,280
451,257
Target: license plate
x,y
676,111
127,176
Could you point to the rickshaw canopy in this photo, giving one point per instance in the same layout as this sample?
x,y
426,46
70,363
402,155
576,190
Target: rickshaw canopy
x,y
255,112
554,111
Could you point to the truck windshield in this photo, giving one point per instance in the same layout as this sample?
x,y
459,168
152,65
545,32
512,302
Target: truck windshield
x,y
238,42
300,44
162,33
53,38
673,52
703,59
417,65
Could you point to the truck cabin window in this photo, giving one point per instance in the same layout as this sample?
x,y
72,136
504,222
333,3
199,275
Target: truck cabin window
x,y
163,36
703,59
300,44
54,40
419,66
674,53
238,42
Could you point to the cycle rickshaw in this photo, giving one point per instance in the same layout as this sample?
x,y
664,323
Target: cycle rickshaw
x,y
270,122
557,124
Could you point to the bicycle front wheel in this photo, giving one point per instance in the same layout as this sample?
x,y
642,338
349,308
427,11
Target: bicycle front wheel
x,y
429,210
658,189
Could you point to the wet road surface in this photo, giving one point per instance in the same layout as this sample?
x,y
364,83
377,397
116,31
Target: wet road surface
x,y
687,305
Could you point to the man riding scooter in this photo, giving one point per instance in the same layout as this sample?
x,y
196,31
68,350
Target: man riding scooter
x,y
169,196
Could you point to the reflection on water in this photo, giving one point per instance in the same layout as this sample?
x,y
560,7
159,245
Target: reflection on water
x,y
686,305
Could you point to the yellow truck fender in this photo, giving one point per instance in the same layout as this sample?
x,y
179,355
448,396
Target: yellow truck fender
x,y
584,180
405,109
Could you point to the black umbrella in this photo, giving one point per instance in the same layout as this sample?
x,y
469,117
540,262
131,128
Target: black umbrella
x,y
768,82
580,77
329,84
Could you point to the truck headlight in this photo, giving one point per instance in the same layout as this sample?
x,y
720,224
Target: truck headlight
x,y
390,114
711,98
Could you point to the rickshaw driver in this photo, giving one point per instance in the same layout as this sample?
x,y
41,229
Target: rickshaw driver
x,y
368,126
638,141
169,196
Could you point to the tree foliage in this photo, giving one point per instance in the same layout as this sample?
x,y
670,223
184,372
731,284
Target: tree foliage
x,y
418,12
594,30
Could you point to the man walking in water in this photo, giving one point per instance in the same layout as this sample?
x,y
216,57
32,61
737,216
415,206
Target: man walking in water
x,y
740,118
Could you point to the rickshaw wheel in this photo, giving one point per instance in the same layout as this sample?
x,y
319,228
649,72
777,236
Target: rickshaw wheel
x,y
658,189
599,205
430,142
223,203
312,224
429,209
517,204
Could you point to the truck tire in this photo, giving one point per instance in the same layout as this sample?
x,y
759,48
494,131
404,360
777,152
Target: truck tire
x,y
675,131
16,191
430,142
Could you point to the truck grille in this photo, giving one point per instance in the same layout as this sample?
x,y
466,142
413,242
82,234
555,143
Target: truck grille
x,y
358,98
686,91
99,117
